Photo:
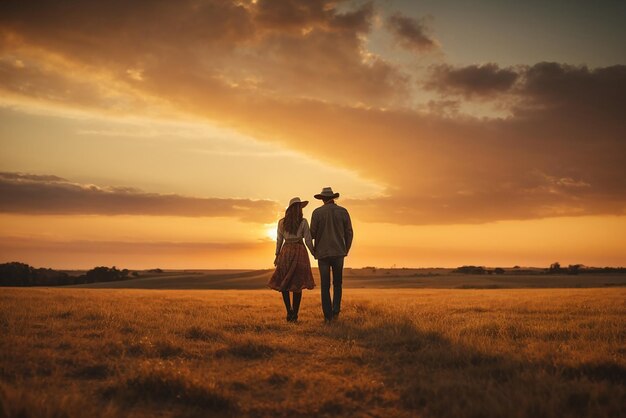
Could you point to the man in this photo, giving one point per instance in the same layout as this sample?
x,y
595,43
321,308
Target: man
x,y
331,230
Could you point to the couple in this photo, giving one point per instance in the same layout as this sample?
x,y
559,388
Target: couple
x,y
331,230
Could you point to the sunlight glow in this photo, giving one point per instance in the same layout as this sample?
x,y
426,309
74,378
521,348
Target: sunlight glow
x,y
270,232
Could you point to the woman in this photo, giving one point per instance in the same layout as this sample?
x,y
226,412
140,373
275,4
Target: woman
x,y
293,269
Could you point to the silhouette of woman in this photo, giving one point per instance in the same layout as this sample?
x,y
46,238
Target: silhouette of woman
x,y
293,269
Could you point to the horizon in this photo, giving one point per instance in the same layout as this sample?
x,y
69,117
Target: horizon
x,y
489,134
564,267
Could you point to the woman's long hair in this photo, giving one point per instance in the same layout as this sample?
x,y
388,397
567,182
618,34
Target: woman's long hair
x,y
293,217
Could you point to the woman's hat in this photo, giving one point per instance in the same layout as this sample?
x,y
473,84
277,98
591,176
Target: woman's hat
x,y
327,193
303,203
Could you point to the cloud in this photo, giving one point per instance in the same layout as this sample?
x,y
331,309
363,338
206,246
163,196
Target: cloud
x,y
410,33
542,85
598,93
472,80
303,15
30,177
299,74
86,254
289,49
16,244
51,195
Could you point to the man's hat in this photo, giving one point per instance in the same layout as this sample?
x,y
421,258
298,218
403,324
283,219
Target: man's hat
x,y
327,193
303,203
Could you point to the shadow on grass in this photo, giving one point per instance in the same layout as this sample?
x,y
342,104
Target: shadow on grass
x,y
434,376
23,403
159,385
91,372
202,334
247,350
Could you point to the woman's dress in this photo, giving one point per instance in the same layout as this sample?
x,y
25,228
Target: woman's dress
x,y
293,269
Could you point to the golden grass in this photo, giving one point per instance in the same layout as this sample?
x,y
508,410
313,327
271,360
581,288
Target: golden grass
x,y
439,353
363,278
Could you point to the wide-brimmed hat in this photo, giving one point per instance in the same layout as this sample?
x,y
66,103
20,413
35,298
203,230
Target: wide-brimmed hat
x,y
327,193
303,203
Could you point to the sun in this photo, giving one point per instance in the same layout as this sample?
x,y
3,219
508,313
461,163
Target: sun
x,y
270,232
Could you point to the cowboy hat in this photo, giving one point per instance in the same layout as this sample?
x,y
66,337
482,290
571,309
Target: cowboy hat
x,y
327,193
303,203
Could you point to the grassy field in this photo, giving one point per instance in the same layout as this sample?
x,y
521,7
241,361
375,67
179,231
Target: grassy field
x,y
365,278
410,352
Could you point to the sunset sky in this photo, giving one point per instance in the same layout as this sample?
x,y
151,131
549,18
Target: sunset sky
x,y
172,134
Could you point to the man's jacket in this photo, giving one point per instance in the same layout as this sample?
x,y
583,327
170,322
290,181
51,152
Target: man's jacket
x,y
331,228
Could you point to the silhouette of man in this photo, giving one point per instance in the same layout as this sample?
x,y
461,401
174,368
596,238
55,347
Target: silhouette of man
x,y
331,230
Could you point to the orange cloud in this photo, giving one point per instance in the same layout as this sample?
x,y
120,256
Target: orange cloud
x,y
301,75
46,195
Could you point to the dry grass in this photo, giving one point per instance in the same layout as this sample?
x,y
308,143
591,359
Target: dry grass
x,y
364,278
440,353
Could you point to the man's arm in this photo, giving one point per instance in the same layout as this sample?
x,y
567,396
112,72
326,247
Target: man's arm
x,y
348,232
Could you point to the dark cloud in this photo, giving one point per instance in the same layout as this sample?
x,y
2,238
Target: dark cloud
x,y
30,177
359,20
473,80
51,195
562,152
499,200
588,93
118,28
307,14
292,13
410,33
545,84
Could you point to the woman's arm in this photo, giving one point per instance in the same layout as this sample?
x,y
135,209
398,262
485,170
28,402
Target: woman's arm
x,y
279,237
307,237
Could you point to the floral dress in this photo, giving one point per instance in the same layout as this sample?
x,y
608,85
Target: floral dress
x,y
293,269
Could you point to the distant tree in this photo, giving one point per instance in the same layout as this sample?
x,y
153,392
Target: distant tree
x,y
104,274
499,270
21,274
470,270
574,268
16,274
49,277
555,268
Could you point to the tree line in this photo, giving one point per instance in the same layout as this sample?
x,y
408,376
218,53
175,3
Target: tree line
x,y
21,274
555,268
